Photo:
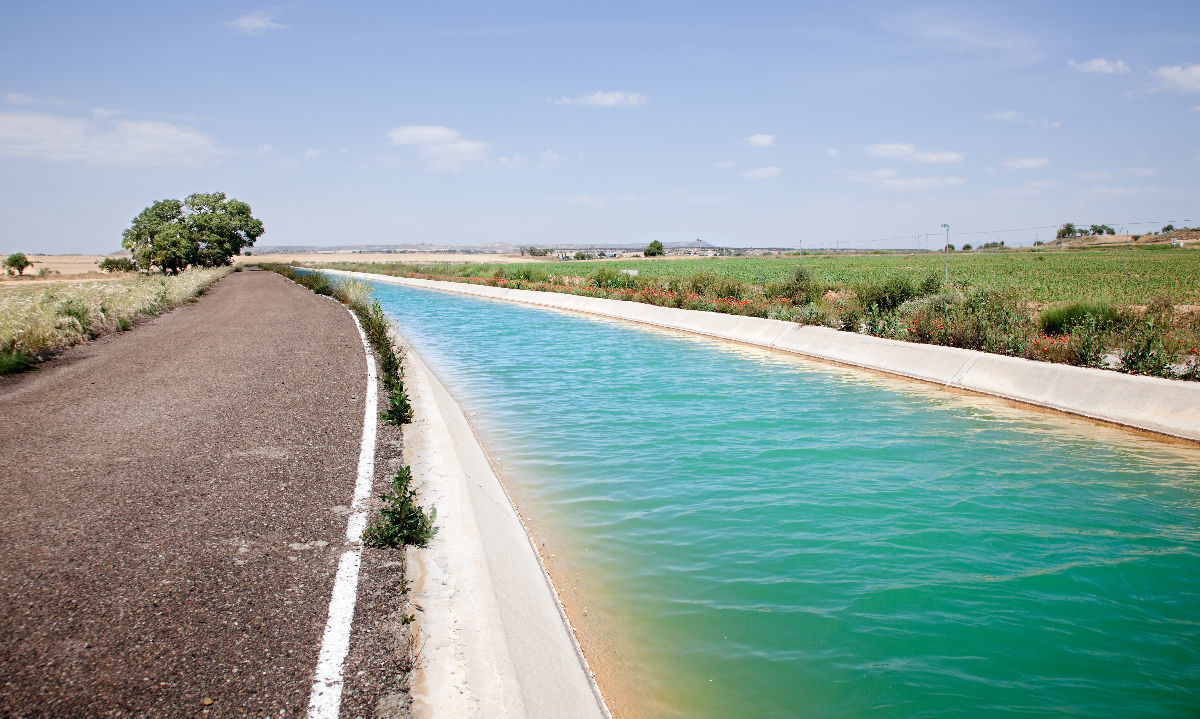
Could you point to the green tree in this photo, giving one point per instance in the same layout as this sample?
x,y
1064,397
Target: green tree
x,y
17,262
1168,228
206,229
967,247
1067,230
117,264
654,249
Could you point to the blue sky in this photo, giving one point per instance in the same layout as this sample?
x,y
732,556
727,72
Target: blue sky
x,y
745,124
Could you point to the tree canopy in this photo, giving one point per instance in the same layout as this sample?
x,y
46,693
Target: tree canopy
x,y
17,261
205,229
654,249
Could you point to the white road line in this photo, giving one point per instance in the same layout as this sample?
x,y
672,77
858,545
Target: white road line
x,y
326,698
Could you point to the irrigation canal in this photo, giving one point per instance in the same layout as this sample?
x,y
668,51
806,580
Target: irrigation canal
x,y
742,533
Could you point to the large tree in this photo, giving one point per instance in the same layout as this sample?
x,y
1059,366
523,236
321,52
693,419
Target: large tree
x,y
206,229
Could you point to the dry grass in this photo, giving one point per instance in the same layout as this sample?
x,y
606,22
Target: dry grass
x,y
40,319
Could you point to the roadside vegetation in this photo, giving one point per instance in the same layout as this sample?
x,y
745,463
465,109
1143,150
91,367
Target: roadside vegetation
x,y
402,521
1135,310
37,321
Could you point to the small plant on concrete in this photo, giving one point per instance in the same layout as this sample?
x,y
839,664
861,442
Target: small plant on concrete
x,y
400,411
401,520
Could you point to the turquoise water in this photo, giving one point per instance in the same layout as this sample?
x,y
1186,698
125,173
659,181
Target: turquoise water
x,y
767,537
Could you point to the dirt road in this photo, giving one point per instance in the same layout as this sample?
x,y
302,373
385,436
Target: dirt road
x,y
174,504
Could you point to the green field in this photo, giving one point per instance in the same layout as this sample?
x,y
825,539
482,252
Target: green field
x,y
1117,276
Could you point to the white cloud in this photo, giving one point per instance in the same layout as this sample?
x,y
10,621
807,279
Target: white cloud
x,y
1017,118
20,98
550,158
102,113
909,151
705,199
255,23
442,147
1025,163
762,173
938,157
96,141
944,32
1100,65
513,161
1029,189
312,153
891,149
723,165
583,200
1182,78
832,152
600,98
760,140
1111,190
629,197
1093,176
1144,171
892,180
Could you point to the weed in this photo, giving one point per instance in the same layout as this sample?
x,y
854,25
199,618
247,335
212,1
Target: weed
x,y
402,521
399,410
1146,352
13,362
1063,319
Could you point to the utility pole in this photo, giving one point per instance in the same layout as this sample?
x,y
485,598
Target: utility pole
x,y
947,250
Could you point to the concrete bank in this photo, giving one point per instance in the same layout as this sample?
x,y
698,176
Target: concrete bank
x,y
1169,407
493,638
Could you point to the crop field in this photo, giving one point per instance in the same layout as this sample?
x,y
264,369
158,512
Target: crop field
x,y
1116,276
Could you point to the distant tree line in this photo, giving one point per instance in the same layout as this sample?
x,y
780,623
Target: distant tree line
x,y
1069,230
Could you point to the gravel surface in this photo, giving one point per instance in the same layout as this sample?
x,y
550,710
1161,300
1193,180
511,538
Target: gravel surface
x,y
174,504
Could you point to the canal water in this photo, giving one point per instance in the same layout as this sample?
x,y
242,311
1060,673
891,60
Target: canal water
x,y
740,533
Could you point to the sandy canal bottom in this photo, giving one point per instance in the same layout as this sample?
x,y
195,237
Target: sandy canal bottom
x,y
737,533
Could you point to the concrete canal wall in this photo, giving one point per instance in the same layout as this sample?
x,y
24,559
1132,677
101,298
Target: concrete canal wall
x,y
1169,407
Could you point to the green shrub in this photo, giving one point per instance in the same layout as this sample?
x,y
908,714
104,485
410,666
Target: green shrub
x,y
606,278
117,264
930,284
402,521
886,295
802,287
1063,319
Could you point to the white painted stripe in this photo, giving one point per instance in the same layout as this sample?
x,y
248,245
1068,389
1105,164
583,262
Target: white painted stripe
x,y
325,701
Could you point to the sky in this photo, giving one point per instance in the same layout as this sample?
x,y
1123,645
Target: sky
x,y
749,124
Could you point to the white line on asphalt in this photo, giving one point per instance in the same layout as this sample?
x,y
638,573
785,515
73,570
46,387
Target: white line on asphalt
x,y
326,698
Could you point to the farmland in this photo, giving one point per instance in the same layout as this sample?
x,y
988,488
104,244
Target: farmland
x,y
1134,310
1115,276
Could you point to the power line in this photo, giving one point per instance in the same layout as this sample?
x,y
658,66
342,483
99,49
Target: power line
x,y
1013,229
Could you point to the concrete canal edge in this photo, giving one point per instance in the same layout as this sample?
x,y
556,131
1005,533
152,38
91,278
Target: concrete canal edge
x,y
1162,406
493,638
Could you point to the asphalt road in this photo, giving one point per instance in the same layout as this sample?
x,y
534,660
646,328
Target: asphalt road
x,y
173,506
